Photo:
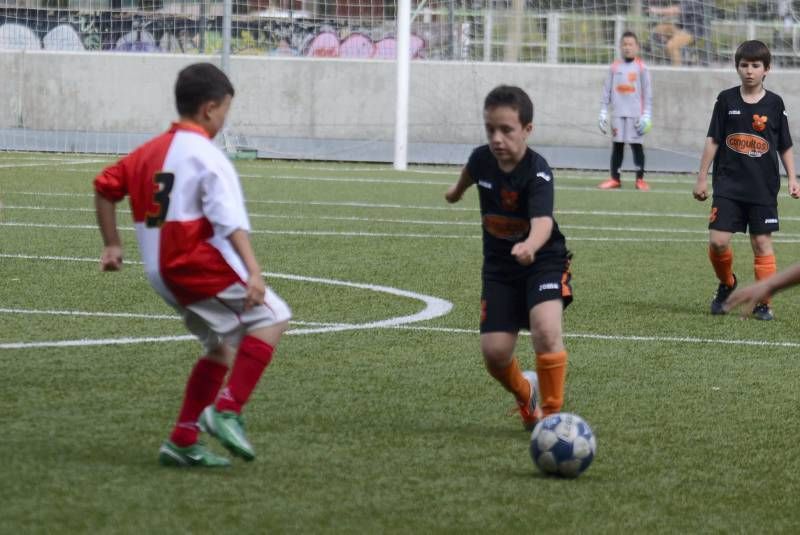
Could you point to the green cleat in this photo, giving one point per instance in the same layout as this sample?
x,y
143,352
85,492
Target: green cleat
x,y
228,428
195,455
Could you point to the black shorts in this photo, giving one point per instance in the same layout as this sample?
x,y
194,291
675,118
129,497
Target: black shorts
x,y
736,216
506,305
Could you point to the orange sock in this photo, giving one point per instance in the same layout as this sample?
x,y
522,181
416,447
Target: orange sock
x,y
511,378
764,267
723,265
552,371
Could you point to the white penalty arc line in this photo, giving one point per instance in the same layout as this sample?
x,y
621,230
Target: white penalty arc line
x,y
434,306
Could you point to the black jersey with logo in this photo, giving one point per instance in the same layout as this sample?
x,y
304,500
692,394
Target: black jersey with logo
x,y
750,137
508,202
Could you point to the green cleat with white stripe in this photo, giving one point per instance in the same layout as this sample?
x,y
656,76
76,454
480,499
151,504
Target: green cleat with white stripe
x,y
195,455
228,428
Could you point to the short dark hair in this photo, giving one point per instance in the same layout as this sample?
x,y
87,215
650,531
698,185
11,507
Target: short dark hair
x,y
512,97
753,51
629,33
200,83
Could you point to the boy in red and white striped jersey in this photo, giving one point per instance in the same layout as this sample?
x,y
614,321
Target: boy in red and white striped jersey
x,y
193,233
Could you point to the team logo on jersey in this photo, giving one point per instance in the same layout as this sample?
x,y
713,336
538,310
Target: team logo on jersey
x,y
747,144
506,228
509,200
759,122
631,77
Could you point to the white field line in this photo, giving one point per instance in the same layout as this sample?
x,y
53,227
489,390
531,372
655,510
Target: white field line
x,y
434,306
58,163
134,315
51,157
442,184
399,180
603,213
389,176
792,238
590,336
358,204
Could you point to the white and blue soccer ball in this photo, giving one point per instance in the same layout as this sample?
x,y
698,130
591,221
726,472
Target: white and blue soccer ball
x,y
563,444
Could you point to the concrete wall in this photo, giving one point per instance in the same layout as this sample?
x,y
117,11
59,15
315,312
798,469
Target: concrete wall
x,y
348,99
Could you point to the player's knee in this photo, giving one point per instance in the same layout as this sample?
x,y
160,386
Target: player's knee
x,y
221,354
548,341
762,244
719,245
270,334
497,356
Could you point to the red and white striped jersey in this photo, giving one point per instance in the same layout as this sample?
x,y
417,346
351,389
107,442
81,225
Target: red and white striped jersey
x,y
186,200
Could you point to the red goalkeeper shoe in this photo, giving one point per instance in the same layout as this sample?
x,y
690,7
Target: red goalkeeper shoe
x,y
641,185
610,183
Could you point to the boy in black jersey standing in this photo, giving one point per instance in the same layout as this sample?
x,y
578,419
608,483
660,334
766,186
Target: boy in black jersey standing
x,y
749,130
526,263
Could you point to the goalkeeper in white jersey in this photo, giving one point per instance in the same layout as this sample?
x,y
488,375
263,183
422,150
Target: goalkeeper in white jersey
x,y
628,91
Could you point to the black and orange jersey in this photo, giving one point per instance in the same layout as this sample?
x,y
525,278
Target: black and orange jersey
x,y
750,137
508,203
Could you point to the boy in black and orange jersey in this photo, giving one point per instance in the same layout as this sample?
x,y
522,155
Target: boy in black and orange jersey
x,y
749,130
526,263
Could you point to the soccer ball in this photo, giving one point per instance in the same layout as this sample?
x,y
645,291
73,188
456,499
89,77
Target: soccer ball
x,y
563,444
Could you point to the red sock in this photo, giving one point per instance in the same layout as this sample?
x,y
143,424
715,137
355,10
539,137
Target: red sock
x,y
201,389
253,357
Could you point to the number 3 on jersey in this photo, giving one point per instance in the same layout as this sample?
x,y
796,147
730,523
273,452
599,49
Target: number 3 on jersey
x,y
163,183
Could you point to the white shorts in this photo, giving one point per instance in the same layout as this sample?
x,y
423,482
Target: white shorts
x,y
624,130
223,320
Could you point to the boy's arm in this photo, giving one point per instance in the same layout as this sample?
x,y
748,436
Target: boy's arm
x,y
605,100
647,93
525,251
256,288
456,191
106,210
761,290
701,186
787,157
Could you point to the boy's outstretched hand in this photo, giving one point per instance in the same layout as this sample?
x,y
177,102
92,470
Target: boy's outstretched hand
x,y
111,259
748,297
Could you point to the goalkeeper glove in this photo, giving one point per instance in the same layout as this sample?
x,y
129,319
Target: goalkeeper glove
x,y
643,125
602,121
